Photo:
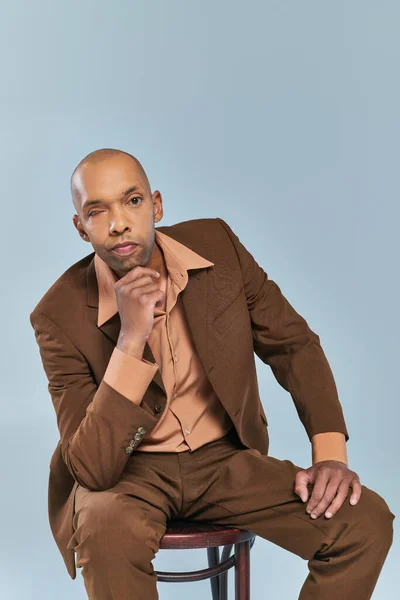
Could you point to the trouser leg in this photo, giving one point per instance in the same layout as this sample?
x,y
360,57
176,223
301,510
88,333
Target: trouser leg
x,y
117,531
115,543
242,488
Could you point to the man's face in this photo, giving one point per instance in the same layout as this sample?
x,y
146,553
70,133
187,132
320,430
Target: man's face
x,y
125,211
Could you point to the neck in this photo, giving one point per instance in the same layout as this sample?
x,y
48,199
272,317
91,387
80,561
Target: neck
x,y
157,261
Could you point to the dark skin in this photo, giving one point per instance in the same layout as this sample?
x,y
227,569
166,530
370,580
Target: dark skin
x,y
105,175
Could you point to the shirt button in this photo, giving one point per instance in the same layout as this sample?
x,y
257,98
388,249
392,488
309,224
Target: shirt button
x,y
174,396
187,431
175,358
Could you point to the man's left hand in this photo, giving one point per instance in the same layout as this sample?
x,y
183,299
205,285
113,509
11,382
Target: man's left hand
x,y
331,479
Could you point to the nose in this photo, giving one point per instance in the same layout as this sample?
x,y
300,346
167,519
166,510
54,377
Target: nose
x,y
118,223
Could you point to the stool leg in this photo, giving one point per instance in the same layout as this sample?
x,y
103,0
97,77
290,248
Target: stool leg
x,y
223,578
213,560
242,571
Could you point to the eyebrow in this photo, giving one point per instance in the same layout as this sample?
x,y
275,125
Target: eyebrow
x,y
133,188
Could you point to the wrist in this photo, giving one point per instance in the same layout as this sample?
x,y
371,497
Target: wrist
x,y
131,345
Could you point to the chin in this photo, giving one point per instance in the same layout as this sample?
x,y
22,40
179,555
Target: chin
x,y
128,265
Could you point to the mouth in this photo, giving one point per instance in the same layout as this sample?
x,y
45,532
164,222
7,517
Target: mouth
x,y
125,250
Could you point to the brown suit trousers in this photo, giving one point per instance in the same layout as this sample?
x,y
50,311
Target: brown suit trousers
x,y
117,531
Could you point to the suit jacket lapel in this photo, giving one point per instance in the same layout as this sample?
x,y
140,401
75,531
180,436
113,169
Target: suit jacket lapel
x,y
195,299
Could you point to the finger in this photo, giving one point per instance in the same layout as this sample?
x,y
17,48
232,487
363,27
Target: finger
x,y
340,497
301,483
357,490
319,489
141,283
328,497
139,270
302,491
136,273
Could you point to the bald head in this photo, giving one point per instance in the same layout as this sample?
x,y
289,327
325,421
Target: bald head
x,y
96,160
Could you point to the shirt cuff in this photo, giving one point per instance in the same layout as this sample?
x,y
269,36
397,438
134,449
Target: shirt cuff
x,y
329,445
128,375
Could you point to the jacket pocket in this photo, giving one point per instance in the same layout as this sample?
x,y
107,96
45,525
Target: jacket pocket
x,y
235,310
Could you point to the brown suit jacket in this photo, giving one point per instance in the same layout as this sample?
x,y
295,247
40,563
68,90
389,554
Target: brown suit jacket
x,y
233,310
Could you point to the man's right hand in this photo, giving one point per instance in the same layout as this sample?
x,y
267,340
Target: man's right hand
x,y
137,293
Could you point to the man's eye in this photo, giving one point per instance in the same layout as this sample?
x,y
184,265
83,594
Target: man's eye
x,y
95,212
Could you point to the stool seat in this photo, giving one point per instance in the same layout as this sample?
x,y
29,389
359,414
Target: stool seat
x,y
181,534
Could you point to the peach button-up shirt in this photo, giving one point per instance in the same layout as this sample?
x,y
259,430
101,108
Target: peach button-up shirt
x,y
193,415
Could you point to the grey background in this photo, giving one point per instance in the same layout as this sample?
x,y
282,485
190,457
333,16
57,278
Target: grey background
x,y
281,117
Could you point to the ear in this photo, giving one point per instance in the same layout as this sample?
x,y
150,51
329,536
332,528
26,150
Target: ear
x,y
157,206
78,225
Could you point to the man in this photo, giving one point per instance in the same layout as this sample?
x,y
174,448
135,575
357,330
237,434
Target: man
x,y
148,346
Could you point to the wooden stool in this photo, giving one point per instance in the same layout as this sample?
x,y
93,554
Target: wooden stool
x,y
182,534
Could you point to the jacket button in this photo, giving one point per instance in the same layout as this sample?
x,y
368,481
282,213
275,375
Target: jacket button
x,y
129,450
137,436
141,430
158,408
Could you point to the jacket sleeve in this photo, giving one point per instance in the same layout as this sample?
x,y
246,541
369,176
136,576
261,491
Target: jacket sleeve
x,y
283,340
97,423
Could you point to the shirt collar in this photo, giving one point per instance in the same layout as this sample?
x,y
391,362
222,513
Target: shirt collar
x,y
178,259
